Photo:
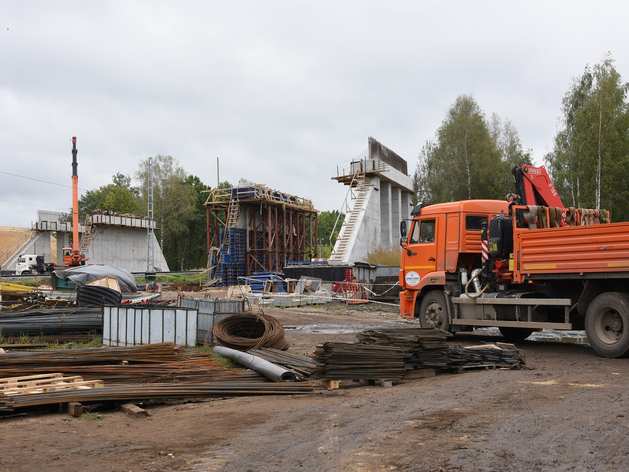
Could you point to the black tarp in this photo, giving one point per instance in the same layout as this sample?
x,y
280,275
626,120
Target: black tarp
x,y
83,274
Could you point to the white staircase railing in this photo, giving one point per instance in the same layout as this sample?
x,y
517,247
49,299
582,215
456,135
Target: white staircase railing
x,y
354,203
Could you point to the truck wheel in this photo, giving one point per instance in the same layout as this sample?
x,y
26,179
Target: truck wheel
x,y
515,334
607,324
433,312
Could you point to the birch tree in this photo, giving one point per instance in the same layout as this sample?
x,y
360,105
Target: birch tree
x,y
590,163
468,158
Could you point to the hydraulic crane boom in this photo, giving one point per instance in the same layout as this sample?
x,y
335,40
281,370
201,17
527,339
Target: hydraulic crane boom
x,y
534,187
74,258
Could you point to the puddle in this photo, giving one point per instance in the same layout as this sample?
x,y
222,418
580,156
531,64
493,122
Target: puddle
x,y
339,328
547,335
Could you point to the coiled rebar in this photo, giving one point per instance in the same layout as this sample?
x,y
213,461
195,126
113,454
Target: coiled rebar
x,y
244,331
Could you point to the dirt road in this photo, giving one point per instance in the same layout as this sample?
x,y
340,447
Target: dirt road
x,y
567,412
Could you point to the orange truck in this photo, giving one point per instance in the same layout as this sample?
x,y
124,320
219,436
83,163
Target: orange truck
x,y
520,265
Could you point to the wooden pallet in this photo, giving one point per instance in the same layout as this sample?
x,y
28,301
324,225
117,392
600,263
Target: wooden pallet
x,y
42,383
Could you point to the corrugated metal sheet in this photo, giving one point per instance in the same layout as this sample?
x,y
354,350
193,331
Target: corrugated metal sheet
x,y
210,312
129,326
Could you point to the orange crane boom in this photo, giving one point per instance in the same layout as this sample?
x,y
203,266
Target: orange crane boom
x,y
73,257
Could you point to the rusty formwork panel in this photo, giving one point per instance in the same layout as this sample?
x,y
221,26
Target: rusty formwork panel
x,y
280,228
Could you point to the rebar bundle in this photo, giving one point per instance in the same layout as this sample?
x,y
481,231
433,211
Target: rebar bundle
x,y
486,354
43,321
245,331
303,366
124,392
194,370
146,354
425,348
345,361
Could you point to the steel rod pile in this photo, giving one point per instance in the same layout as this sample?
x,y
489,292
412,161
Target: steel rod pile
x,y
425,348
124,392
245,331
36,322
148,353
486,355
303,366
198,371
345,361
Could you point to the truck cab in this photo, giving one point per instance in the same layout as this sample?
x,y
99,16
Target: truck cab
x,y
25,264
441,240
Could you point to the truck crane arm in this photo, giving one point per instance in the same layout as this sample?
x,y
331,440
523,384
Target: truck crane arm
x,y
534,186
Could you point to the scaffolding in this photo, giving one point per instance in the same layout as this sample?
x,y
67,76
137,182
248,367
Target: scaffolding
x,y
253,229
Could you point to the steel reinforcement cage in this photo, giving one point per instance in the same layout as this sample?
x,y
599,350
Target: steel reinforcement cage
x,y
278,229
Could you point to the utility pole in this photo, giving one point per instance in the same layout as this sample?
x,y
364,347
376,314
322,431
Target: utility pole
x,y
150,238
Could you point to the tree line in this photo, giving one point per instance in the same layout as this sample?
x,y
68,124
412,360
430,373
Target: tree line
x,y
178,209
472,156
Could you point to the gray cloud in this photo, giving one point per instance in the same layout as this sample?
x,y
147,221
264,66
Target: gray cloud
x,y
281,91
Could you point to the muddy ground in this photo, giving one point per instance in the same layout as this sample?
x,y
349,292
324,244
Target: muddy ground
x,y
567,411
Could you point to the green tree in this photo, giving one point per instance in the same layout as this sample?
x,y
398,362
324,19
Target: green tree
x,y
325,224
174,204
565,162
192,250
506,138
118,196
590,160
469,158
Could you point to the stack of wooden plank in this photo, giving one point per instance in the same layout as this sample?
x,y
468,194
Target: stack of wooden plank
x,y
425,348
347,361
44,383
492,354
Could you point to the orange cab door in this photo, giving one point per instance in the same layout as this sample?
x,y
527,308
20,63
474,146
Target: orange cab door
x,y
421,253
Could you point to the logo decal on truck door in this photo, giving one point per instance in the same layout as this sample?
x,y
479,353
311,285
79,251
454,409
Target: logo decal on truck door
x,y
411,278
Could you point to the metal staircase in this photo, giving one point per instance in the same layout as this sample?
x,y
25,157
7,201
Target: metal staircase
x,y
359,189
87,236
233,212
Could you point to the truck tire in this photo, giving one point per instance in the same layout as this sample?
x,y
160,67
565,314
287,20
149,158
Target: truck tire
x,y
433,312
607,324
515,334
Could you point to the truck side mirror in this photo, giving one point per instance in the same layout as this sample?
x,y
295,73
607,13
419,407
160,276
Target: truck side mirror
x,y
403,228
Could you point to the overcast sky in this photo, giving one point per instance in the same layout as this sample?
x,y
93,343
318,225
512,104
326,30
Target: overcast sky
x,y
281,92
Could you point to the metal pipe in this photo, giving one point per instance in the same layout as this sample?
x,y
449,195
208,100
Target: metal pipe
x,y
266,368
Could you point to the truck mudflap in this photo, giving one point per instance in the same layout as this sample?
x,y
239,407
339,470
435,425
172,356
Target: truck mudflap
x,y
407,303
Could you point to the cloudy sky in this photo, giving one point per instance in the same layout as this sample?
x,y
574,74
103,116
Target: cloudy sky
x,y
283,92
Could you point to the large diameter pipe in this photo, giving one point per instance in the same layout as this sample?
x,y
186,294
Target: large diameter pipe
x,y
266,368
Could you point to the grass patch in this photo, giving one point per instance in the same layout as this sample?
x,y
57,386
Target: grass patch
x,y
385,257
220,360
21,339
34,282
94,340
92,416
91,341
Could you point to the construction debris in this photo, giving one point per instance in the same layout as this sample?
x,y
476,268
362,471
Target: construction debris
x,y
493,354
